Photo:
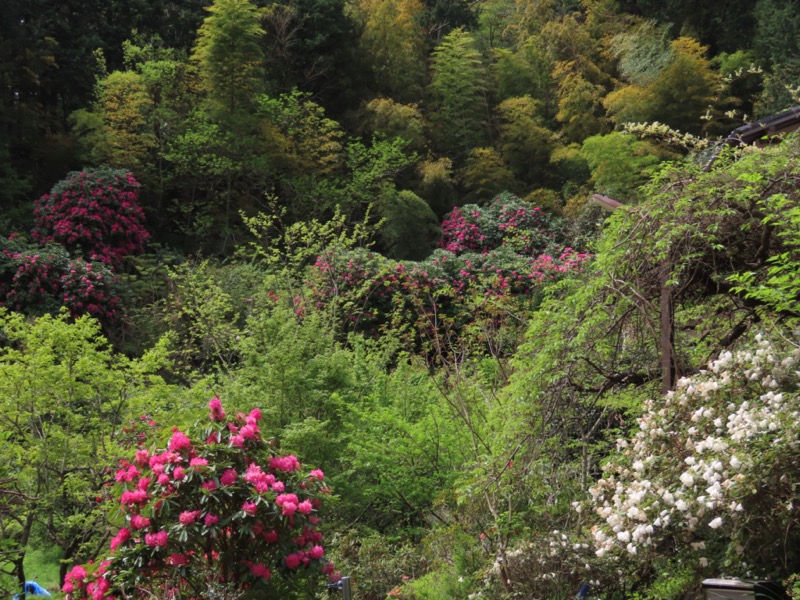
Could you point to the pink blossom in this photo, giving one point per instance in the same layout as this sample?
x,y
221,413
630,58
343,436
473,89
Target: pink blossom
x,y
142,456
271,537
179,441
133,497
143,483
178,473
286,498
156,540
256,414
163,479
188,517
210,485
139,522
228,477
316,552
177,560
215,406
102,585
211,520
237,441
284,463
248,432
259,570
304,507
249,508
123,535
278,487
293,561
198,462
77,574
317,474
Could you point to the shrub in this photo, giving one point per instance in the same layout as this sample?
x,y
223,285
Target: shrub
x,y
507,221
38,280
712,469
444,293
215,510
94,214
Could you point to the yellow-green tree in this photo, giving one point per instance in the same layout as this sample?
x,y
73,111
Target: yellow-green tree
x,y
458,91
393,45
678,95
396,120
229,56
486,175
116,131
524,142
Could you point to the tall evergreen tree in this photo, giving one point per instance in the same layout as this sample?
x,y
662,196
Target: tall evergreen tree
x,y
229,55
458,91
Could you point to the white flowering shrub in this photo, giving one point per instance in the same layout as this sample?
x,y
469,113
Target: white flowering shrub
x,y
713,471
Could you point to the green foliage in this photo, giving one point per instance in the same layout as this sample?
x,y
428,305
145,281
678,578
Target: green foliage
x,y
678,95
392,44
524,142
375,563
312,142
776,285
619,163
288,249
409,227
325,172
203,310
580,107
394,120
643,52
404,448
776,38
486,174
523,71
596,354
42,565
229,56
457,88
437,185
780,90
68,399
406,380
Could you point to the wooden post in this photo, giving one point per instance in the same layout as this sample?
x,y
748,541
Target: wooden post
x,y
668,367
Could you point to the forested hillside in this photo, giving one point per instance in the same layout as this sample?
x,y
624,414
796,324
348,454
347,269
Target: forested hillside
x,y
306,289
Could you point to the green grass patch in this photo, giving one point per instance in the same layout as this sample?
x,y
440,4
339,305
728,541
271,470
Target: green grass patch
x,y
42,565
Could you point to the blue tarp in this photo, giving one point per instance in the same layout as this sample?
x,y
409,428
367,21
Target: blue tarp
x,y
33,589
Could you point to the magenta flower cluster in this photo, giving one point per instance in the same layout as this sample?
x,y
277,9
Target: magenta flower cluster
x,y
44,279
506,221
94,214
490,256
215,505
85,227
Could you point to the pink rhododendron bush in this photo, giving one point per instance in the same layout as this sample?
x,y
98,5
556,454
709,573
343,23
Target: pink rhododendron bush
x,y
94,214
712,474
506,222
217,509
39,280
